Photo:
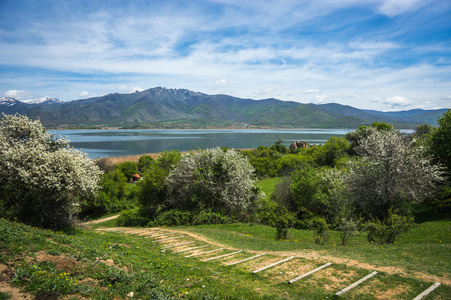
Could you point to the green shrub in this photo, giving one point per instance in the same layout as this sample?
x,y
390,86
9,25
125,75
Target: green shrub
x,y
173,217
132,217
283,221
386,232
209,217
320,230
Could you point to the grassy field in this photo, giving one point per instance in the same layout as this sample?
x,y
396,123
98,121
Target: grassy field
x,y
106,264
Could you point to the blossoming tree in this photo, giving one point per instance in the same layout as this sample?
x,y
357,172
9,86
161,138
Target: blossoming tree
x,y
42,179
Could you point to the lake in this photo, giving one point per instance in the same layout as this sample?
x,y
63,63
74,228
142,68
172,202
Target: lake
x,y
101,143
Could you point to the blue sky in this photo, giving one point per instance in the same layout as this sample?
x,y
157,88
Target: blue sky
x,y
384,55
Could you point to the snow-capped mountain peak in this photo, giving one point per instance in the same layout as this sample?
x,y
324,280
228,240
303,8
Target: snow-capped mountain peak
x,y
8,101
46,100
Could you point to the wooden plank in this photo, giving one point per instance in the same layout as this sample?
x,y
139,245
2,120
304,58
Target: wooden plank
x,y
428,291
308,273
176,245
158,235
229,254
274,264
189,249
173,238
147,233
355,284
246,259
196,254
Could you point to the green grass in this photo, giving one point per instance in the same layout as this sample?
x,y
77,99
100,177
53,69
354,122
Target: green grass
x,y
267,185
141,267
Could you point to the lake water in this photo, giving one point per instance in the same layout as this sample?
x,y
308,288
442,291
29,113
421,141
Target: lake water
x,y
101,143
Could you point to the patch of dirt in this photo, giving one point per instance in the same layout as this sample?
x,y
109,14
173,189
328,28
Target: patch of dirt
x,y
67,264
382,291
7,288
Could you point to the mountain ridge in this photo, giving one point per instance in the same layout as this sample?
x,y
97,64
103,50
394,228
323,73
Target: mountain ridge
x,y
163,107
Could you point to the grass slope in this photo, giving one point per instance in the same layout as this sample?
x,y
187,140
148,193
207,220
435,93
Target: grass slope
x,y
112,265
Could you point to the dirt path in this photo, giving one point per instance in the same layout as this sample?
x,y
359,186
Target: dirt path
x,y
99,220
308,254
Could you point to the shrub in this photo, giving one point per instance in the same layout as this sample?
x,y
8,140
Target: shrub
x,y
42,178
386,231
348,228
214,180
132,217
284,220
173,217
320,230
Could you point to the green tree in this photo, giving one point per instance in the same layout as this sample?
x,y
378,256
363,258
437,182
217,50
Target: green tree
x,y
128,168
152,189
334,148
42,178
441,141
144,163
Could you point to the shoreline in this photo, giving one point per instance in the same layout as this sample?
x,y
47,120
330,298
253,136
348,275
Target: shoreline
x,y
113,160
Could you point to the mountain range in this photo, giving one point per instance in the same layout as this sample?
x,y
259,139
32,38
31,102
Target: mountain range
x,y
178,108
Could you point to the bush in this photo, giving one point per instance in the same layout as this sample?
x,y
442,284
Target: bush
x,y
214,180
173,218
284,220
42,178
348,228
132,217
386,232
320,230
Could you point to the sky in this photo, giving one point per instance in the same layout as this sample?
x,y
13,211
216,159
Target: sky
x,y
387,55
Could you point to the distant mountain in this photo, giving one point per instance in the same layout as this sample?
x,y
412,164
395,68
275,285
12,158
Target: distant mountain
x,y
43,100
162,107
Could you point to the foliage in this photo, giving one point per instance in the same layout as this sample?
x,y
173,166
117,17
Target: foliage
x,y
320,230
283,221
112,197
363,132
144,163
213,179
348,228
334,149
386,231
169,159
42,177
393,172
279,147
132,217
441,141
127,168
152,190
317,192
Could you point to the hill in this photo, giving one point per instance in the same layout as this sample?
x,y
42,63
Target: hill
x,y
162,107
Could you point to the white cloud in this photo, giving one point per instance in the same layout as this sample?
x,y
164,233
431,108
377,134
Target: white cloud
x,y
392,8
321,99
312,91
128,88
448,97
17,94
221,82
84,94
264,94
394,102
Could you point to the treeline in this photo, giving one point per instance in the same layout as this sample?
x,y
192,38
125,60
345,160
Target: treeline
x,y
373,180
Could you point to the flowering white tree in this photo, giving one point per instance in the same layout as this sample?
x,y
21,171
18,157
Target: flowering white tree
x,y
222,181
393,173
41,178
